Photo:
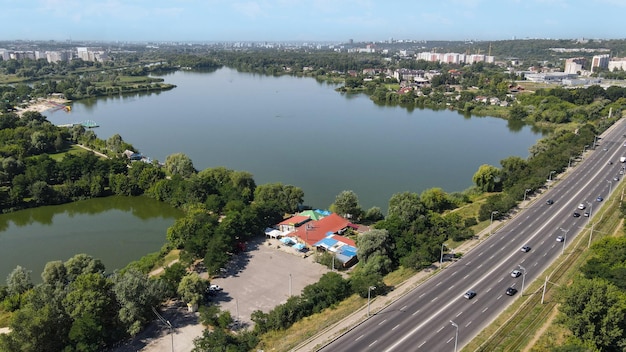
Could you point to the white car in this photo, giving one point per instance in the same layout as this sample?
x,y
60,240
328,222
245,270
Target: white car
x,y
516,273
214,288
581,206
560,239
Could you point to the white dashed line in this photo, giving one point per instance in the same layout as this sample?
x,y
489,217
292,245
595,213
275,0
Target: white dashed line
x,y
372,344
468,324
403,308
417,311
499,297
395,327
484,310
421,344
382,322
458,314
441,328
358,338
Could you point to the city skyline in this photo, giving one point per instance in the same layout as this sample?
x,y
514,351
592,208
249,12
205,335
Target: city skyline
x,y
315,20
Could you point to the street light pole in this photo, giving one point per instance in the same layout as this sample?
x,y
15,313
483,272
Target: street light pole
x,y
564,239
441,257
610,185
523,278
491,221
369,290
456,334
526,192
289,284
590,234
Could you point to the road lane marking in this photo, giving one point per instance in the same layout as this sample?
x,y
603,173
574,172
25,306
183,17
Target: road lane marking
x,y
421,344
434,299
372,344
479,254
395,327
417,311
461,312
439,283
454,273
358,338
492,256
489,289
449,288
499,297
403,308
468,324
484,310
499,281
465,277
452,338
480,266
441,328
382,322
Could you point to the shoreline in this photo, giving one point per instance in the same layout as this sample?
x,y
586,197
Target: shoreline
x,y
43,104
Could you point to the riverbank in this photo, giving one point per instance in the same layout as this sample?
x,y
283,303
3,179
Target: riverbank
x,y
43,104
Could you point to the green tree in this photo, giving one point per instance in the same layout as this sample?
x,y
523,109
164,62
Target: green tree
x,y
54,273
406,207
487,178
82,264
18,281
435,199
179,164
595,311
347,205
286,197
192,288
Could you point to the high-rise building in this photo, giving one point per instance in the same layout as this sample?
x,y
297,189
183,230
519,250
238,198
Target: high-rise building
x,y
600,61
574,65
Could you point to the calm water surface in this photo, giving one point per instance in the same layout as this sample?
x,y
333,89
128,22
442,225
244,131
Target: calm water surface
x,y
117,230
301,132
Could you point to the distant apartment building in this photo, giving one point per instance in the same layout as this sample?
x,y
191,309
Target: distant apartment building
x,y
91,54
455,58
5,54
600,61
616,64
574,65
57,56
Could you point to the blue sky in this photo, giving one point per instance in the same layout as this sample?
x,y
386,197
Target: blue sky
x,y
310,20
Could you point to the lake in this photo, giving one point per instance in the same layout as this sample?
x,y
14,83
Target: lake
x,y
302,132
116,230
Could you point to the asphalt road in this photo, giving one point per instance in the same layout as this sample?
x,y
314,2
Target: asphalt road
x,y
435,315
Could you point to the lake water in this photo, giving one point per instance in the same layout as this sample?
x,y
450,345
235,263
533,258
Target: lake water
x,y
301,132
116,230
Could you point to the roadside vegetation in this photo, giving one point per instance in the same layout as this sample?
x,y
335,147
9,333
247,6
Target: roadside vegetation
x,y
39,165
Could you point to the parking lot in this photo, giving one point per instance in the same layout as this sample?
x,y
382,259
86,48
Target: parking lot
x,y
263,277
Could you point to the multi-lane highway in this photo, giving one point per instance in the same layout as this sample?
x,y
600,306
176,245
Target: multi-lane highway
x,y
435,315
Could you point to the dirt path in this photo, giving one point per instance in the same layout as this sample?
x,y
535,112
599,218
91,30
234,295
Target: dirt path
x,y
541,330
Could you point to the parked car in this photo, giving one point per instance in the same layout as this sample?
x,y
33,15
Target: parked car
x,y
470,294
511,291
214,288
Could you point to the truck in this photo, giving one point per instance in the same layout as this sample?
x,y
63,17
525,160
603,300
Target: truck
x,y
622,159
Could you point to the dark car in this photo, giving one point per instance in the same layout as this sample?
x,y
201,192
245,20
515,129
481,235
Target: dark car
x,y
549,202
576,215
511,291
470,294
525,249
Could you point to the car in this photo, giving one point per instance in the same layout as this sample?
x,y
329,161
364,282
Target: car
x,y
615,178
610,162
586,214
470,294
581,206
621,172
576,215
516,273
560,239
549,202
525,249
599,199
511,291
605,149
214,288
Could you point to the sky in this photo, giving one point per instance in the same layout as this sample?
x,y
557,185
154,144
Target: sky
x,y
310,20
